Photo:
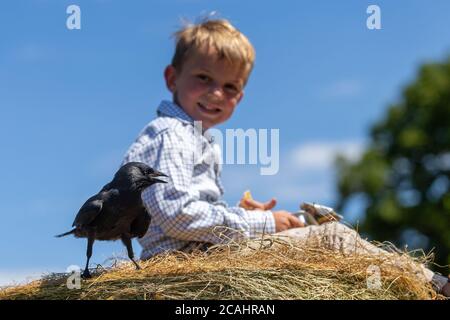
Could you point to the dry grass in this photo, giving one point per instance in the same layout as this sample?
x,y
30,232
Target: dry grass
x,y
268,268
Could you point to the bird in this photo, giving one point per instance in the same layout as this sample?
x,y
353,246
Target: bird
x,y
116,211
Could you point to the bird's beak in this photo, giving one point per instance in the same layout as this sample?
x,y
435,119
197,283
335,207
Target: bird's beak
x,y
157,174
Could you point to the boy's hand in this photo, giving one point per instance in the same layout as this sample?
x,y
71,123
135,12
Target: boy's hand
x,y
251,204
285,220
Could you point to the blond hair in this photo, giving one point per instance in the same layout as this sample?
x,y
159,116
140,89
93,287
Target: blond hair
x,y
227,41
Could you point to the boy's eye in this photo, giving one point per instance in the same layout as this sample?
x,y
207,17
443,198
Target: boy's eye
x,y
231,88
203,77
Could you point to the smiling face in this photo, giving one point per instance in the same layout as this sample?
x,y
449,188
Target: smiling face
x,y
207,88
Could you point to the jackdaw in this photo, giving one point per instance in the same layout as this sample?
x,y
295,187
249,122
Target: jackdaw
x,y
117,211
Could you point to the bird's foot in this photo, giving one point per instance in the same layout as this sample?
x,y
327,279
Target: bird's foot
x,y
86,274
136,264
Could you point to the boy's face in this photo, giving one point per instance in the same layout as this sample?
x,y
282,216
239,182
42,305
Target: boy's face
x,y
208,89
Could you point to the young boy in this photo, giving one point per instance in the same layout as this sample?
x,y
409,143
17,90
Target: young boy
x,y
207,76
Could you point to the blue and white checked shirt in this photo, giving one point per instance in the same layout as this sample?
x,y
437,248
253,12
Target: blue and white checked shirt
x,y
186,210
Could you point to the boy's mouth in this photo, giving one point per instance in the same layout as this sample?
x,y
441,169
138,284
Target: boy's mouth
x,y
208,109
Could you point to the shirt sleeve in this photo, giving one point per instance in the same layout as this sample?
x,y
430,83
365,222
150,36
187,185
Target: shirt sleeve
x,y
176,206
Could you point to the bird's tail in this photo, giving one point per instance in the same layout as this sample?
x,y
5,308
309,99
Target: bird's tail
x,y
66,234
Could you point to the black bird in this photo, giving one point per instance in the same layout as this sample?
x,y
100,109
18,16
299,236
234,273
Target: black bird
x,y
117,211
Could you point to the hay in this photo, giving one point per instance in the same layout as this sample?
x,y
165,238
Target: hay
x,y
267,268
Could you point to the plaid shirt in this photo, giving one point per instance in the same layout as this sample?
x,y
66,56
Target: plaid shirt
x,y
187,212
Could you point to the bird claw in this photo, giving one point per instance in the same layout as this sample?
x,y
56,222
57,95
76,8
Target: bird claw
x,y
86,274
137,265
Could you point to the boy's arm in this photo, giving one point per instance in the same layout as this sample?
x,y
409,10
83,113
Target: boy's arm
x,y
176,206
283,219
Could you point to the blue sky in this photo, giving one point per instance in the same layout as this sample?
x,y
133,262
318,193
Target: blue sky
x,y
72,101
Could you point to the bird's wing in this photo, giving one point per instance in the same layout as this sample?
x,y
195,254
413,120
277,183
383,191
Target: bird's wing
x,y
140,225
92,207
89,211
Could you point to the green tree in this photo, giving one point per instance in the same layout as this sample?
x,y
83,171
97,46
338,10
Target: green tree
x,y
404,174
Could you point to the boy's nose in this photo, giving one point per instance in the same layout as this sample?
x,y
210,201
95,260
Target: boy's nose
x,y
216,91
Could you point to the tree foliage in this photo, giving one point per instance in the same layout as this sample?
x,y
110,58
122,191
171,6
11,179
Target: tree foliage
x,y
404,174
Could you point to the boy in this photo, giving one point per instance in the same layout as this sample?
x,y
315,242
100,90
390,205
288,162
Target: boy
x,y
209,70
207,76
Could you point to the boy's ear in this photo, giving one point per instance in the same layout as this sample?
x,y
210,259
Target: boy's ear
x,y
170,75
242,95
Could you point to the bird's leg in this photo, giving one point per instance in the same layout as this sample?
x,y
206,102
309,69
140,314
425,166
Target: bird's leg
x,y
86,274
127,242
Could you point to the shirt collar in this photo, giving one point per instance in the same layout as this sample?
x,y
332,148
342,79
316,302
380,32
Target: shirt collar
x,y
170,109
